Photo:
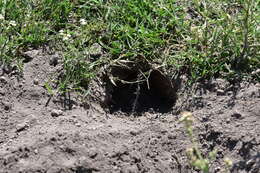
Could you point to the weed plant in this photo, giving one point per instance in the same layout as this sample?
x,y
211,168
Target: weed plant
x,y
194,154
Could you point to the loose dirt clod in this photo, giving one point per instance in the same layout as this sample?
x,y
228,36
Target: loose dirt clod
x,y
56,113
35,81
3,79
54,60
7,106
237,115
29,55
220,92
22,126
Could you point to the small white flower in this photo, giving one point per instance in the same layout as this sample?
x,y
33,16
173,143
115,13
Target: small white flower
x,y
61,31
2,17
83,21
12,23
66,37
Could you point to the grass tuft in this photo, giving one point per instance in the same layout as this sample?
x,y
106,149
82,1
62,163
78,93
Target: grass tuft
x,y
204,39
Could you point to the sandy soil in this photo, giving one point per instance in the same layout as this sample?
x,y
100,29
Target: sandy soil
x,y
39,138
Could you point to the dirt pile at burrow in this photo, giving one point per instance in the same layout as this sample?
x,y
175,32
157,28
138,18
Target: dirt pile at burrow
x,y
36,138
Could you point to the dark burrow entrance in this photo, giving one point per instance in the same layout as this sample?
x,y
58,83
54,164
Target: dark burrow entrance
x,y
131,94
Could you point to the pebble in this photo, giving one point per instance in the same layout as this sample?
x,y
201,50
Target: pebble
x,y
228,121
29,55
172,136
220,92
3,80
54,60
92,154
78,124
7,106
134,132
36,82
21,127
82,159
256,72
56,113
218,169
230,93
237,115
20,85
7,69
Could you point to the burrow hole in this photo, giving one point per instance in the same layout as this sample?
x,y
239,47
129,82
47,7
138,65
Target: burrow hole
x,y
160,96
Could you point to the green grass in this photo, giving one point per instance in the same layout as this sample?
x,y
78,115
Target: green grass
x,y
205,39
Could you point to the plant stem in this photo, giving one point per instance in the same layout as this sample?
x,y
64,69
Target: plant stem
x,y
243,55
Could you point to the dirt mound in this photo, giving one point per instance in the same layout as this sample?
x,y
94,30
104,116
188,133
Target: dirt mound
x,y
36,138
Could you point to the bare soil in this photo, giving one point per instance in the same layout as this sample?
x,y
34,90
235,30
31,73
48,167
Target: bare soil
x,y
56,139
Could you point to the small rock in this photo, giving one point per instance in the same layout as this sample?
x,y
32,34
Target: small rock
x,y
21,127
20,85
35,81
237,115
172,136
54,60
82,159
221,82
228,121
56,113
256,72
218,169
220,92
205,119
230,93
74,106
134,132
7,69
29,55
78,124
7,106
14,72
3,80
92,154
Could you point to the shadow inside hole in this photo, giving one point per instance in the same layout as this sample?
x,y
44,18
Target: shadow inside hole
x,y
159,97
